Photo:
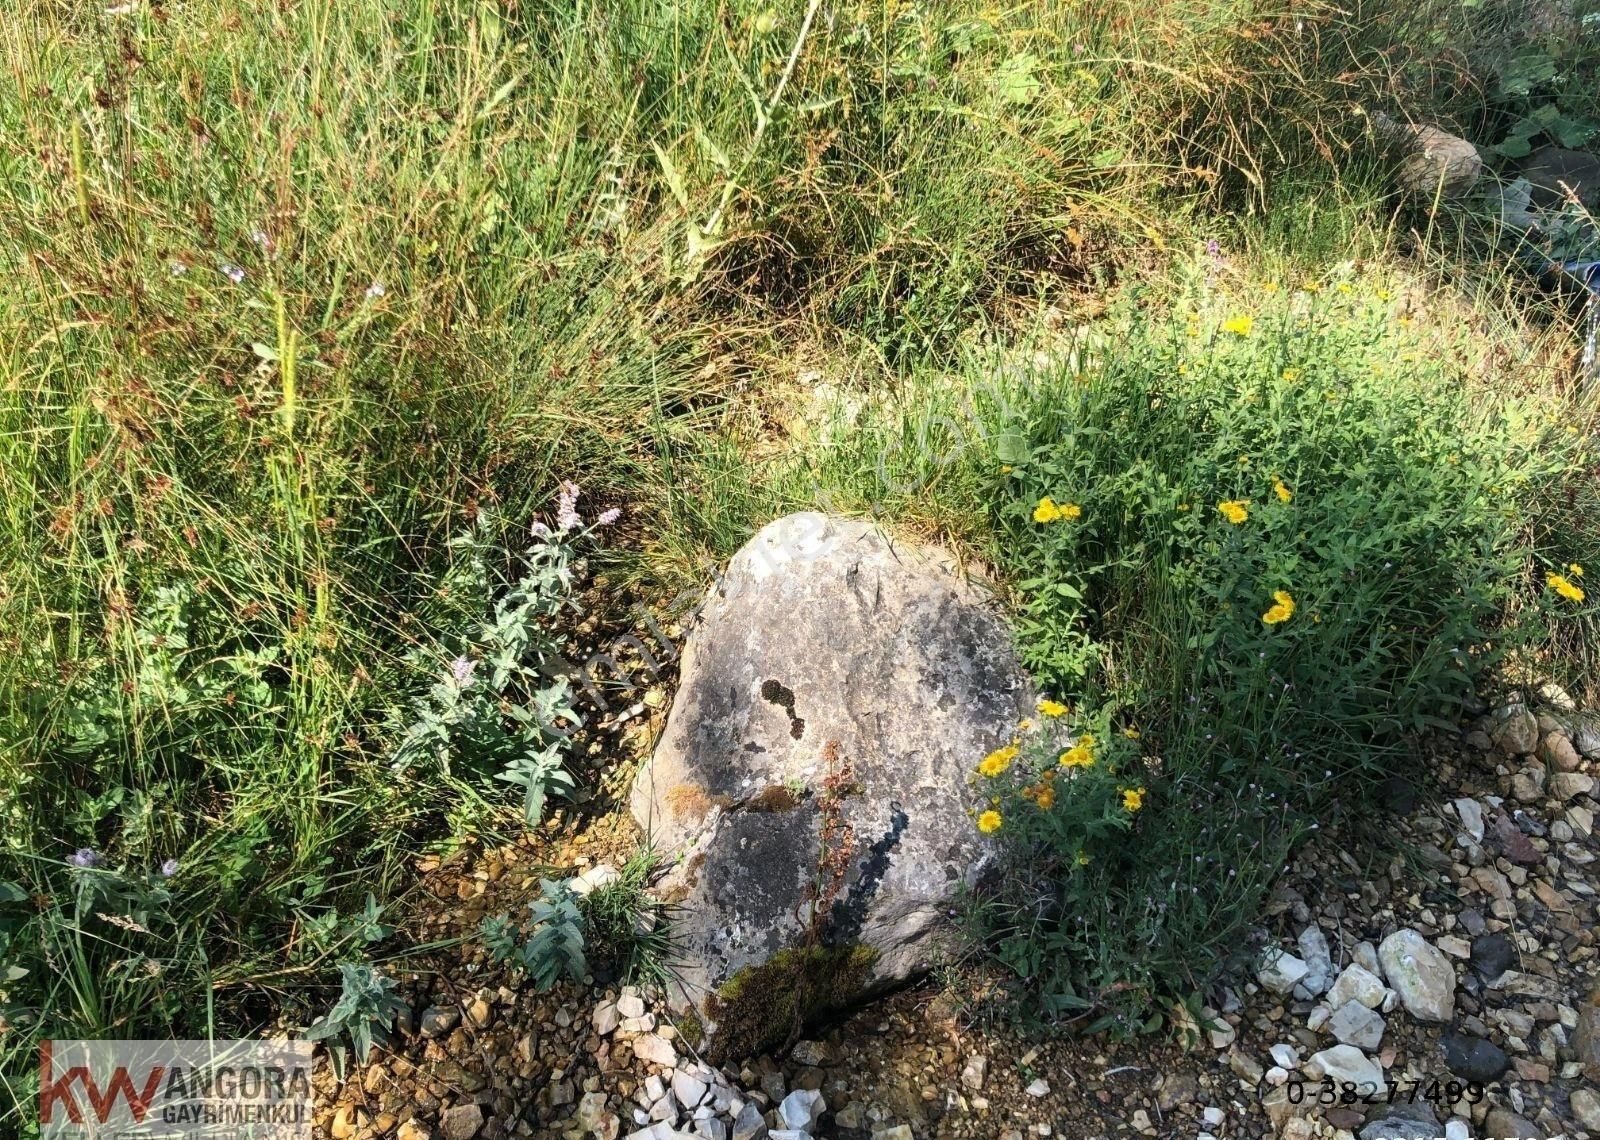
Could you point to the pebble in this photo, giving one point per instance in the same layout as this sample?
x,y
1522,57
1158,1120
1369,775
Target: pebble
x,y
461,1122
690,1090
973,1072
606,1018
1420,974
1355,1024
1040,1087
439,1020
1473,1058
1281,971
1313,946
655,1049
1347,1063
1285,1055
802,1109
1357,984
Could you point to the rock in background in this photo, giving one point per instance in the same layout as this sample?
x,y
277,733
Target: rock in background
x,y
812,779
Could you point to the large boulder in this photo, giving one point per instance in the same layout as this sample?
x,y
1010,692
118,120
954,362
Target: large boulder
x,y
812,781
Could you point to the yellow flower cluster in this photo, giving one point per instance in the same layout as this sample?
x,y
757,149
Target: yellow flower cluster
x,y
1564,586
1048,511
1283,492
1235,510
1282,608
1081,754
1239,326
1047,707
998,761
1133,798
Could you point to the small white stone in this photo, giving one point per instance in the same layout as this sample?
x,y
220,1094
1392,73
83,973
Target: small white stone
x,y
1212,1115
1040,1087
1285,1055
1280,971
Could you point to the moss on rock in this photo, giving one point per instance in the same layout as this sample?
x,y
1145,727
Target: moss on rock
x,y
762,1006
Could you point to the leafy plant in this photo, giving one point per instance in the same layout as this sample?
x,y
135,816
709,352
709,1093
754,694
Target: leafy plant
x,y
550,947
1260,560
501,706
365,1011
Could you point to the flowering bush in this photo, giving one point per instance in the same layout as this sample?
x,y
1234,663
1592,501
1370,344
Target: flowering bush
x,y
1291,546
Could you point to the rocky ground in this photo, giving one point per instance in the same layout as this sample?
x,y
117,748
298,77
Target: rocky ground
x,y
1452,990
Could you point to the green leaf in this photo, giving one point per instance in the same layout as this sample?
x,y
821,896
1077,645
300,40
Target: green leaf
x,y
1012,448
11,893
1014,80
1513,147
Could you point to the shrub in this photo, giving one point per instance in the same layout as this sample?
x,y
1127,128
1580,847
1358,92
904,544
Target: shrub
x,y
1261,551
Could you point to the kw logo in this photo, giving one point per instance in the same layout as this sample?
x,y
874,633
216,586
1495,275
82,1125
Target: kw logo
x,y
57,1092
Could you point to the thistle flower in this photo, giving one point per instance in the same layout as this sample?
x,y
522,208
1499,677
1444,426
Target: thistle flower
x,y
461,670
608,517
169,868
84,857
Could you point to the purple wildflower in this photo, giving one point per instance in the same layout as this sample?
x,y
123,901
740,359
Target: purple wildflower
x,y
608,517
566,516
169,868
461,669
540,530
231,271
84,857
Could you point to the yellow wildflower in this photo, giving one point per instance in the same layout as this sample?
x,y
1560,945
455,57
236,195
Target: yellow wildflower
x,y
1344,287
1080,755
1133,798
1045,796
1235,510
989,822
998,761
1048,511
1283,493
1239,326
1047,707
1183,506
1282,609
1575,570
1291,374
1564,586
1026,724
1083,859
1005,469
1131,733
1311,286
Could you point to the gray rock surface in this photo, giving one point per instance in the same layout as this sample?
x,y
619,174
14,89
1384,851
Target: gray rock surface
x,y
827,656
